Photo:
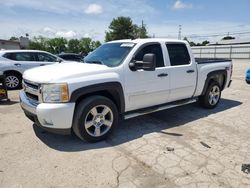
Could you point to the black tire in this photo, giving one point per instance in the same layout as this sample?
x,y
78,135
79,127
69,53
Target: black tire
x,y
13,81
205,100
248,82
83,112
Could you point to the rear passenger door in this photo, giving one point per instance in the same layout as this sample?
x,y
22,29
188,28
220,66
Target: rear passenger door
x,y
183,72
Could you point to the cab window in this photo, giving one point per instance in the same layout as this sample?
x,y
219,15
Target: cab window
x,y
178,54
152,49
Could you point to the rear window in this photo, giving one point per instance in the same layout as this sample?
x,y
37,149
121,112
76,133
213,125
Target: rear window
x,y
19,56
9,56
178,54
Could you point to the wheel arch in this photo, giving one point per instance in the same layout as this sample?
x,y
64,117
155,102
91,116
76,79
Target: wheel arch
x,y
219,76
111,90
13,71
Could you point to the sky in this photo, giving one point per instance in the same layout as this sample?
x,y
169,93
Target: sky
x,y
199,19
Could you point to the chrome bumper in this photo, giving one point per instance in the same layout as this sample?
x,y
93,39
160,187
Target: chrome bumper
x,y
26,104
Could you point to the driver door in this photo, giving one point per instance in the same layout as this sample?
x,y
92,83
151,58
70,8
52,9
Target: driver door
x,y
147,88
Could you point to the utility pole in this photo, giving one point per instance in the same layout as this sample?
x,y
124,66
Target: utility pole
x,y
142,25
179,34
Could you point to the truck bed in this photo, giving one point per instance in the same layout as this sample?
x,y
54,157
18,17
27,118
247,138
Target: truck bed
x,y
210,60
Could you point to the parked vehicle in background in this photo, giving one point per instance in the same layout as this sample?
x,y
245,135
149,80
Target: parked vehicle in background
x,y
125,78
248,76
14,62
71,57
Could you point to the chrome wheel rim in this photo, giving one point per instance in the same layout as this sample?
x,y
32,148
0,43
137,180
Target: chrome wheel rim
x,y
11,81
98,120
214,95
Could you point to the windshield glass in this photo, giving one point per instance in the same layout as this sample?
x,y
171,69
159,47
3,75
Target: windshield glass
x,y
109,54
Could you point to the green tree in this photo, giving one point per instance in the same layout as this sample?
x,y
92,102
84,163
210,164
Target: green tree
x,y
205,42
140,32
190,42
85,45
38,43
228,38
120,28
186,39
74,46
13,38
57,45
123,28
95,44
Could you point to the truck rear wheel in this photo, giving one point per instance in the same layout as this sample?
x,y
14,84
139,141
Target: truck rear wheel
x,y
212,96
95,118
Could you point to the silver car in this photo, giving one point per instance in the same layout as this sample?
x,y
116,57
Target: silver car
x,y
14,62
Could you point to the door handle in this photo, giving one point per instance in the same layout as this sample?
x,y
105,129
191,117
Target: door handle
x,y
190,71
42,64
17,64
162,74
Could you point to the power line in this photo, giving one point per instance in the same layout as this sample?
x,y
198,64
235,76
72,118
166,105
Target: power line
x,y
216,35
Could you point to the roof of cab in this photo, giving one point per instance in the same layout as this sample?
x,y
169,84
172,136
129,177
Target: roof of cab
x,y
148,40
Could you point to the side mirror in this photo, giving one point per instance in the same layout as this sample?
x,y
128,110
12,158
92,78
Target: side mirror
x,y
59,60
148,63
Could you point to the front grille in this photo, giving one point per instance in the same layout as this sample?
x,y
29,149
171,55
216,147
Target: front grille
x,y
31,96
31,85
31,90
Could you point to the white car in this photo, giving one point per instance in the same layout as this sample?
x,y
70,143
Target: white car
x,y
13,63
125,78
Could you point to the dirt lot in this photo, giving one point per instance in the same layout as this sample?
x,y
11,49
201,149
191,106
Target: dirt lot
x,y
186,146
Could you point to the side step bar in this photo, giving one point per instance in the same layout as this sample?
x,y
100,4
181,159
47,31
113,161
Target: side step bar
x,y
158,108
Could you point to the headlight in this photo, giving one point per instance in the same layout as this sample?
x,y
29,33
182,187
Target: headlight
x,y
55,93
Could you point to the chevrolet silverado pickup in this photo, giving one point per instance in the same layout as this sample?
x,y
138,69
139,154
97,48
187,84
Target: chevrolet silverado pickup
x,y
124,78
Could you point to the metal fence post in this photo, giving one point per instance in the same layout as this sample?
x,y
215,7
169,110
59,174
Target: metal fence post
x,y
249,53
214,51
230,55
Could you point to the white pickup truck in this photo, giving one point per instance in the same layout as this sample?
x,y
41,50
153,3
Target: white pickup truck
x,y
124,78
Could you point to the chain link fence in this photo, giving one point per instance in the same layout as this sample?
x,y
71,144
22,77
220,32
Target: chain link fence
x,y
222,51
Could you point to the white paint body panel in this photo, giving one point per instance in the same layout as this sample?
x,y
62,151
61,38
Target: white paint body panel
x,y
57,116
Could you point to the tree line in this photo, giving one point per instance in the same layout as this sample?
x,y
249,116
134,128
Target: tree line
x,y
60,44
119,28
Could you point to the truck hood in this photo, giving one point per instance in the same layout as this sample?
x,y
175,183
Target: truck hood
x,y
62,72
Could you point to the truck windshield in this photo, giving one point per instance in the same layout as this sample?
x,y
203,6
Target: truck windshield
x,y
109,54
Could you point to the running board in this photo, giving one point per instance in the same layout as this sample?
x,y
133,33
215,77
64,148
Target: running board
x,y
158,108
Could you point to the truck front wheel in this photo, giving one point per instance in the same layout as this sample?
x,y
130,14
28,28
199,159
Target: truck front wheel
x,y
95,118
212,96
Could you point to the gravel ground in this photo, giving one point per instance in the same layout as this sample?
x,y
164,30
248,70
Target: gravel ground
x,y
183,147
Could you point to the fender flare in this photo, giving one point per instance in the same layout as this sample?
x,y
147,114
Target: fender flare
x,y
113,89
211,75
